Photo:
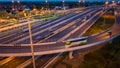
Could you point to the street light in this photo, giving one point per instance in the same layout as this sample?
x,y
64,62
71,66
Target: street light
x,y
18,1
30,33
79,3
63,3
47,5
106,4
113,1
13,5
83,2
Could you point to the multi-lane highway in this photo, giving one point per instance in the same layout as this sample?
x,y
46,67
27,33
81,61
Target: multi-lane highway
x,y
43,28
60,33
67,28
37,29
41,25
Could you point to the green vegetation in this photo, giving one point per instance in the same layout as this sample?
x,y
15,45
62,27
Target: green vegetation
x,y
44,18
106,57
100,25
47,18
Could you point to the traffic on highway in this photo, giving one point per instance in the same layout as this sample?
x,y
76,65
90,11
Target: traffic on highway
x,y
53,37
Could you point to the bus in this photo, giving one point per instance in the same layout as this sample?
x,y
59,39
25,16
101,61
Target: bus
x,y
82,40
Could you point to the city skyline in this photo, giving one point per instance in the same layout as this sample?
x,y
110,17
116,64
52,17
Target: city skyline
x,y
54,0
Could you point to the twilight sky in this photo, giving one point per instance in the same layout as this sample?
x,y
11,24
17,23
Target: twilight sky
x,y
55,0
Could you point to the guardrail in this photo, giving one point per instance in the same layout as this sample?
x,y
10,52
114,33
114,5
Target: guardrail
x,y
17,26
60,50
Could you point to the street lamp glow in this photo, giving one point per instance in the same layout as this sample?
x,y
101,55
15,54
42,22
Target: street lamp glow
x,y
113,2
63,1
46,1
79,1
12,1
106,3
18,1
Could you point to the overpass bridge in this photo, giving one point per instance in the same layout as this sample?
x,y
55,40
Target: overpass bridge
x,y
59,46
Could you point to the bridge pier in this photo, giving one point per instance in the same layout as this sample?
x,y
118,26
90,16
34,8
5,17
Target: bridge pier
x,y
71,55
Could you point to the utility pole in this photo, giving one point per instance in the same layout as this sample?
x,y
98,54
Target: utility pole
x,y
30,34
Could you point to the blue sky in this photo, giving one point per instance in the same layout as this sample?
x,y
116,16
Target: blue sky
x,y
53,0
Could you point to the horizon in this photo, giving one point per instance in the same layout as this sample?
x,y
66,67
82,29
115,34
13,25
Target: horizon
x,y
55,0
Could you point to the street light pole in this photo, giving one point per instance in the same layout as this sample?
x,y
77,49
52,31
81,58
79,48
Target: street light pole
x,y
83,2
13,5
31,41
46,1
106,3
18,1
63,2
79,3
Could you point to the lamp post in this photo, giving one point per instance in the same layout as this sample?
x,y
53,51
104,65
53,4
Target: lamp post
x,y
83,2
47,6
13,8
113,2
106,4
63,4
18,1
30,33
79,3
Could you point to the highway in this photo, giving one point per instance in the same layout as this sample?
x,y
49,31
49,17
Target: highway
x,y
35,30
47,62
40,27
42,22
26,33
56,26
77,33
34,27
26,49
16,59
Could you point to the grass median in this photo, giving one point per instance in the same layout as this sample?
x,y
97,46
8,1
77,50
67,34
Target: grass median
x,y
107,57
103,23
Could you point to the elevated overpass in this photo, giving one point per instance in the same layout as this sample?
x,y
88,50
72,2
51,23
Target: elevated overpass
x,y
59,46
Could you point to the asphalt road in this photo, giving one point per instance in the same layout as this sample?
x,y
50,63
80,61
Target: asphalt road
x,y
12,39
14,62
68,30
34,29
26,49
